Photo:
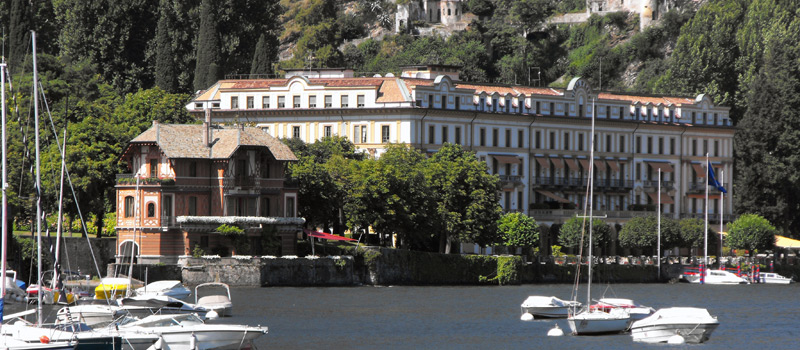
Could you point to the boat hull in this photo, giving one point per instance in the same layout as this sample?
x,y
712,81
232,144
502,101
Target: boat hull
x,y
547,311
590,323
181,339
691,333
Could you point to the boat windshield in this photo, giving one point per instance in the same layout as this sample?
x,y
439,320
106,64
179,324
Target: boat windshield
x,y
169,320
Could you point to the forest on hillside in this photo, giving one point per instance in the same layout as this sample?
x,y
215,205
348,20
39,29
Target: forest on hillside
x,y
108,68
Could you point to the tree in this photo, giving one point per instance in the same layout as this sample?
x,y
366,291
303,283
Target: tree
x,y
691,232
642,233
751,232
207,67
166,77
576,228
266,54
140,109
466,195
19,39
518,230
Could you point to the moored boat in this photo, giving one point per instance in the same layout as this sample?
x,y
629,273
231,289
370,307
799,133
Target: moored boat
x,y
637,312
170,288
773,278
713,277
695,325
219,303
547,307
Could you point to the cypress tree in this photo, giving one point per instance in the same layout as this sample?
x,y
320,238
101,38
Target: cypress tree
x,y
206,71
19,33
266,54
166,77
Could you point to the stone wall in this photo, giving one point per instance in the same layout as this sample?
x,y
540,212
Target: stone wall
x,y
75,256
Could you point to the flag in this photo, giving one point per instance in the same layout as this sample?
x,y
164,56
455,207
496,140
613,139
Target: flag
x,y
712,180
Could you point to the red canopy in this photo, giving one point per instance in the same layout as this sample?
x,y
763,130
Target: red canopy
x,y
323,235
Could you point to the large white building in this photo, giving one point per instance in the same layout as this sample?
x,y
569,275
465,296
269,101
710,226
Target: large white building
x,y
535,139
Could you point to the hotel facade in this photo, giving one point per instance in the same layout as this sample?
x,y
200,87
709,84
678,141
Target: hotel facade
x,y
537,140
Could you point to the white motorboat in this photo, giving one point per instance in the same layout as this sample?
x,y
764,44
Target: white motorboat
x,y
773,278
219,303
170,288
143,306
695,325
65,335
90,314
637,312
547,307
188,332
591,322
714,277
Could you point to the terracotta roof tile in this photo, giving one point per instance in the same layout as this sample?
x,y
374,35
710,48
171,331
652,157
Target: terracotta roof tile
x,y
186,141
390,91
665,100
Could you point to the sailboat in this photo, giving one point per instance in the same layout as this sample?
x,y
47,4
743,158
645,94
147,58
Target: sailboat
x,y
594,320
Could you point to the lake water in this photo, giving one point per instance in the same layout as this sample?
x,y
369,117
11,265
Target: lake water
x,y
751,316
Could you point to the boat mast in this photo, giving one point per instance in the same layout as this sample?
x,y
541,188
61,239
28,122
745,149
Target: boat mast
x,y
591,217
705,226
3,240
56,266
38,185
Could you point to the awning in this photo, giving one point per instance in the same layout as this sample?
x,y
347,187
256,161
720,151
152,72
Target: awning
x,y
600,164
703,196
665,167
553,196
665,198
698,168
786,242
613,164
323,235
585,164
508,159
572,164
558,163
544,162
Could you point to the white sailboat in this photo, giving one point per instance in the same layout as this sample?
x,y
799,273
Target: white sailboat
x,y
594,321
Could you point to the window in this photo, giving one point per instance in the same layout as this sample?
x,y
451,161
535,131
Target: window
x,y
566,141
129,206
234,102
328,101
538,107
444,134
621,112
151,210
660,145
345,102
580,141
508,105
650,149
384,133
312,101
483,136
538,140
638,171
694,147
520,138
296,101
704,120
672,145
458,102
608,111
360,100
327,131
508,137
167,207
251,102
580,111
458,134
281,101
694,118
290,206
495,137
638,144
264,206
482,104
608,143
494,105
621,143
705,146
364,134
638,113
192,209
265,102
153,167
552,140
552,108
296,132
431,135
716,148
566,109
192,169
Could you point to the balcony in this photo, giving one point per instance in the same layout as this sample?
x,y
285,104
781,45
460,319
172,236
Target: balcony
x,y
712,217
130,180
565,214
701,187
665,185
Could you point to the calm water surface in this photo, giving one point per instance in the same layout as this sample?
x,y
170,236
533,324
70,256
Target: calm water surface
x,y
751,316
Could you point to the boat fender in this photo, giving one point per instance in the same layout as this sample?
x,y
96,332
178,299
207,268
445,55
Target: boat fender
x,y
676,339
193,342
526,316
212,315
44,339
555,332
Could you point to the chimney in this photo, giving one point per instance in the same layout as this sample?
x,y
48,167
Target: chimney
x,y
207,128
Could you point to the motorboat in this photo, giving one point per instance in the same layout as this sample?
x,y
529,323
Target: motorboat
x,y
547,307
219,303
14,292
637,312
188,332
593,322
90,314
695,325
713,277
772,278
143,306
77,336
170,288
112,288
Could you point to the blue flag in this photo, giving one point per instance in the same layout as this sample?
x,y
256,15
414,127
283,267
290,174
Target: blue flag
x,y
712,180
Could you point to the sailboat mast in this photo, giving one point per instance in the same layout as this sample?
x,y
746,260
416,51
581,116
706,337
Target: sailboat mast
x,y
591,216
3,240
56,268
38,185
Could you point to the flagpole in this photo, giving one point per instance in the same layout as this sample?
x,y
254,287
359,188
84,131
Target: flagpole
x,y
721,208
659,223
705,226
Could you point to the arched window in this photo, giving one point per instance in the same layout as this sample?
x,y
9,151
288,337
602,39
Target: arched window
x,y
129,206
151,210
127,250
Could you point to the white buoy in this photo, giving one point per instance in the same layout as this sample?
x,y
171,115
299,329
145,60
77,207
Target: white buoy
x,y
526,317
676,339
555,332
212,315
